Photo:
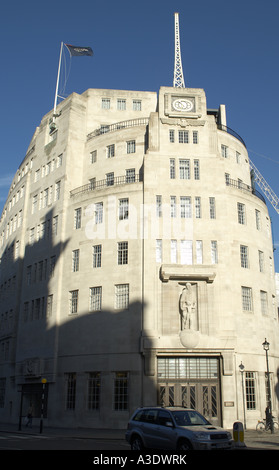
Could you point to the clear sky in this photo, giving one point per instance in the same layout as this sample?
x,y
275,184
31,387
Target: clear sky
x,y
228,48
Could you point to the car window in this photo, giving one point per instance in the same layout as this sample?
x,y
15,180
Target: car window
x,y
189,418
164,417
150,416
139,416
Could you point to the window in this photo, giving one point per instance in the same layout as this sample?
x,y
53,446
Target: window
x,y
212,208
258,220
110,151
59,160
77,220
172,168
49,305
34,203
237,157
261,261
94,390
136,105
196,169
121,104
263,302
185,207
247,299
55,225
97,256
171,135
98,213
73,302
250,390
198,207
120,391
105,103
195,137
224,151
173,251
123,209
122,253
184,169
159,206
75,261
241,213
199,251
183,137
173,206
70,391
93,156
244,256
110,179
186,252
130,175
52,266
214,252
122,296
158,251
95,300
57,190
131,146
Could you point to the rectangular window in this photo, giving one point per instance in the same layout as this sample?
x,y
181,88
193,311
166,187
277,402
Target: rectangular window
x,y
199,251
214,252
250,390
224,151
93,156
212,208
34,203
196,169
121,104
73,302
247,304
241,213
258,220
173,206
120,391
130,175
122,296
198,207
174,251
171,135
98,213
184,169
172,168
183,137
75,261
93,390
123,209
131,146
95,300
110,151
57,190
244,256
97,256
110,179
159,206
261,261
122,253
263,302
195,137
158,251
185,207
70,391
49,305
77,220
136,105
186,252
105,103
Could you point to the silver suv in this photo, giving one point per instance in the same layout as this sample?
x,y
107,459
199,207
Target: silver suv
x,y
174,428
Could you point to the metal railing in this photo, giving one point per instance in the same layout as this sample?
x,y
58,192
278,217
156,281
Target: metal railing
x,y
244,187
231,132
118,126
106,183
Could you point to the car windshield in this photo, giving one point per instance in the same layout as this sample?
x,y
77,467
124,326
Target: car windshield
x,y
189,418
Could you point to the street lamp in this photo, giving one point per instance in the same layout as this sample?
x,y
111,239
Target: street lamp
x,y
266,348
242,370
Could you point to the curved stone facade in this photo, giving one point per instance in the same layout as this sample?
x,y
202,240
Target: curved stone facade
x,y
136,265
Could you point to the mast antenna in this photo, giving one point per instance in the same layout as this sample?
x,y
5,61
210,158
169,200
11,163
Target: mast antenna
x,y
178,79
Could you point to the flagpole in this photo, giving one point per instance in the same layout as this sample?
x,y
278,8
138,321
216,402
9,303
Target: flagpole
x,y
57,82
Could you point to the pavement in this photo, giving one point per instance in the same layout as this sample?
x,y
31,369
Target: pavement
x,y
252,439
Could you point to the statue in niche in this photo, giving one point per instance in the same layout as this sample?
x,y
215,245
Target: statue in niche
x,y
187,304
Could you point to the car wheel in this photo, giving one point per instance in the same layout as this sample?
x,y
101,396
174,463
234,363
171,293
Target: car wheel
x,y
184,444
137,444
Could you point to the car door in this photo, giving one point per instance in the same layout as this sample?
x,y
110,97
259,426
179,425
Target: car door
x,y
149,428
165,431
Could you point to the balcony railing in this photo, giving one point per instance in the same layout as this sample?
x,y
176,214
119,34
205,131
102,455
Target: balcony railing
x,y
231,132
117,126
107,183
244,187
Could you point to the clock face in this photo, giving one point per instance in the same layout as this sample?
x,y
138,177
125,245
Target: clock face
x,y
183,104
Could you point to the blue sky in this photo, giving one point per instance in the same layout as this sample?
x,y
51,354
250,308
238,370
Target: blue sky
x,y
228,48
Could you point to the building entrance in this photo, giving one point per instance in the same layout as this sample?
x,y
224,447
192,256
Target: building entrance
x,y
190,382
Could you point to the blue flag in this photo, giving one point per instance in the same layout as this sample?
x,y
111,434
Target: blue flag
x,y
79,51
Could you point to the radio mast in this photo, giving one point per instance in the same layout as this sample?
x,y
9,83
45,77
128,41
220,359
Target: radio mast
x,y
178,79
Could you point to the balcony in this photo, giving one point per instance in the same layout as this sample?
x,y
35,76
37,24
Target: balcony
x,y
106,183
244,187
231,132
118,126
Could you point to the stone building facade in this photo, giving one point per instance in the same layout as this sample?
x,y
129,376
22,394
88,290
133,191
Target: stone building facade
x,y
136,265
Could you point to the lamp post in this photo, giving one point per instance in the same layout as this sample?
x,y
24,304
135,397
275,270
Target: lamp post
x,y
266,348
242,370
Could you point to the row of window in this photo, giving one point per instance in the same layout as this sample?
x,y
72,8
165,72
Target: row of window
x,y
183,136
41,271
45,170
111,151
247,301
121,296
44,231
184,168
121,104
46,197
39,308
